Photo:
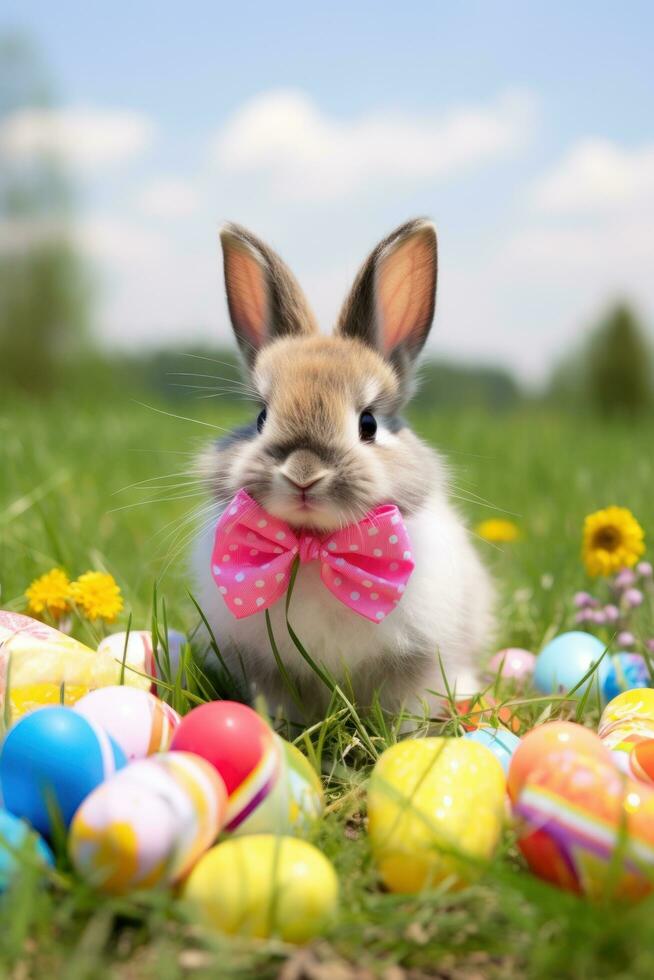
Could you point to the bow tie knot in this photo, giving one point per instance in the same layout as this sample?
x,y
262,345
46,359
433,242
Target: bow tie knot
x,y
309,547
366,565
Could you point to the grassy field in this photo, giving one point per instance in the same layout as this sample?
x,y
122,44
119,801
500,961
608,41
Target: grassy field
x,y
105,487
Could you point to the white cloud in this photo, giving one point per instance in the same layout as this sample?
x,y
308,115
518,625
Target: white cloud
x,y
168,197
597,175
85,138
309,155
124,243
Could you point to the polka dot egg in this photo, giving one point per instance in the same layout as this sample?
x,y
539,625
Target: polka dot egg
x,y
264,886
435,809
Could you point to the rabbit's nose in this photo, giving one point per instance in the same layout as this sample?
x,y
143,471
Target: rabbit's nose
x,y
304,484
303,470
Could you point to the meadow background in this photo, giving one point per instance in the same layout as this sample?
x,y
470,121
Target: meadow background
x,y
537,384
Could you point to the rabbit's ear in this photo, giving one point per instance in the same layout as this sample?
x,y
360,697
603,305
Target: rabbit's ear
x,y
264,299
391,305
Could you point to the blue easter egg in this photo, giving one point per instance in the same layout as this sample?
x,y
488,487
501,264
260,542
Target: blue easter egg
x,y
626,671
501,742
54,757
564,660
19,844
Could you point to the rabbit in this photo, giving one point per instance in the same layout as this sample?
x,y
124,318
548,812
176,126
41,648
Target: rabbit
x,y
329,445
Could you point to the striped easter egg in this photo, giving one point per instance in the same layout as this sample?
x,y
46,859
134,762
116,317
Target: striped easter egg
x,y
137,720
626,721
241,747
50,761
294,802
586,827
148,825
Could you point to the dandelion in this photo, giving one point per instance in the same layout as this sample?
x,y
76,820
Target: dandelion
x,y
613,539
97,596
49,594
498,530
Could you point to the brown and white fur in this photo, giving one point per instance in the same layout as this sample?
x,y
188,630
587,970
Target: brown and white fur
x,y
309,466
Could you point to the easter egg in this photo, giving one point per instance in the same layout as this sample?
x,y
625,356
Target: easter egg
x,y
626,671
641,761
500,742
137,720
19,846
513,663
12,623
263,886
137,650
41,666
240,746
294,801
483,710
305,794
627,720
587,828
435,810
149,824
554,737
563,662
53,758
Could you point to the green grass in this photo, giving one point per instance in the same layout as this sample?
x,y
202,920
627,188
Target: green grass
x,y
72,493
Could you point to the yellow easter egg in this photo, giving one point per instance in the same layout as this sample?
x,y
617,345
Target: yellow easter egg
x,y
41,666
263,885
435,811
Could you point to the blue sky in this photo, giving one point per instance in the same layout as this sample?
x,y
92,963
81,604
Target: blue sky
x,y
524,130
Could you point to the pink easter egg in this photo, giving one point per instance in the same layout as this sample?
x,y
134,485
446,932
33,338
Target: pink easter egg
x,y
513,663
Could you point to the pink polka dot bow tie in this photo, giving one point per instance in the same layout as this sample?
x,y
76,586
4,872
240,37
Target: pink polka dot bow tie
x,y
365,565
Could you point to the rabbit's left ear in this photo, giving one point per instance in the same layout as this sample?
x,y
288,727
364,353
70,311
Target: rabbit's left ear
x,y
265,301
391,305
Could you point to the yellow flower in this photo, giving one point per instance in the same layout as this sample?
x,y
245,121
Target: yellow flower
x,y
50,594
498,529
613,539
97,596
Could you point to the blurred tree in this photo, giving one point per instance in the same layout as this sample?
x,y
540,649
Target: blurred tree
x,y
43,290
443,385
611,372
619,365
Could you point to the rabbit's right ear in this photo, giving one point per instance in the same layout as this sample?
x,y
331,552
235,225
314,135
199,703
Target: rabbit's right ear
x,y
263,296
391,305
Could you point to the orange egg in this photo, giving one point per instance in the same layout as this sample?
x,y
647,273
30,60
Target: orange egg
x,y
641,760
483,711
586,827
543,741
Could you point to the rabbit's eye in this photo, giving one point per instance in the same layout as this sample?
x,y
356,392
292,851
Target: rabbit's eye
x,y
261,419
367,426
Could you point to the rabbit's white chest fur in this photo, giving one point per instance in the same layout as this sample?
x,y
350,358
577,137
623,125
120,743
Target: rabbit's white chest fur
x,y
445,609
